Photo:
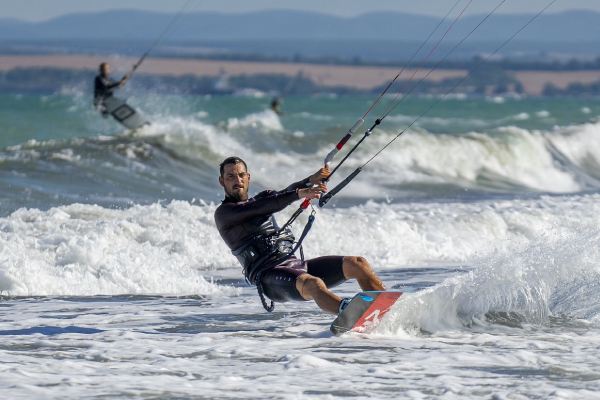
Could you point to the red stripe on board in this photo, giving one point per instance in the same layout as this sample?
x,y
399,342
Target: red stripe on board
x,y
376,311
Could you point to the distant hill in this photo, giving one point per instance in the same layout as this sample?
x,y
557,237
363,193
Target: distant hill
x,y
297,35
564,27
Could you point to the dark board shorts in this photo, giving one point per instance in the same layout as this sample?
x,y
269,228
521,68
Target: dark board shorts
x,y
279,283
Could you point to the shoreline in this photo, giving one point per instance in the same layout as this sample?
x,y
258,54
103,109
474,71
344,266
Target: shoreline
x,y
357,77
327,76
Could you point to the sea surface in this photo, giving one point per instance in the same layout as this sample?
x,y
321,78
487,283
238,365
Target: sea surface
x,y
114,282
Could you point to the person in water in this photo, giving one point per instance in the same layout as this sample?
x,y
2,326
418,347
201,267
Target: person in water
x,y
104,87
248,227
276,106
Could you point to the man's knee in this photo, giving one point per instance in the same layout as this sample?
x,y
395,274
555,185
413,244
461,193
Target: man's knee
x,y
309,285
354,265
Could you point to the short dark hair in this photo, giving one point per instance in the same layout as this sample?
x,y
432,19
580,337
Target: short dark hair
x,y
102,66
231,160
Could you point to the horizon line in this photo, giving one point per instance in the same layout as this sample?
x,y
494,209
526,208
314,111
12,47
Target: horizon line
x,y
291,10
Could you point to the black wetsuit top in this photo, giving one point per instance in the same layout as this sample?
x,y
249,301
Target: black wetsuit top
x,y
103,88
238,222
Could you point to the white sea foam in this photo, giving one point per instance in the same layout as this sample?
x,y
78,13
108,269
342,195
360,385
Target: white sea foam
x,y
90,250
580,145
66,155
265,121
456,96
528,257
534,259
313,116
506,159
175,249
521,116
543,114
515,158
562,160
470,123
496,99
556,275
249,92
179,348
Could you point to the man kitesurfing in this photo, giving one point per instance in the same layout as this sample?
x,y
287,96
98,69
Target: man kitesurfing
x,y
265,250
109,105
104,87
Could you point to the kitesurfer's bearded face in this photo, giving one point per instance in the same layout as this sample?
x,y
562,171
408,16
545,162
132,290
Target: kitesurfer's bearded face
x,y
236,181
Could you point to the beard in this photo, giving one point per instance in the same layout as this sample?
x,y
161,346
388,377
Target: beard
x,y
238,195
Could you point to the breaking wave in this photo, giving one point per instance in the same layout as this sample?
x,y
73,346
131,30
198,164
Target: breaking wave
x,y
177,158
175,248
90,250
551,277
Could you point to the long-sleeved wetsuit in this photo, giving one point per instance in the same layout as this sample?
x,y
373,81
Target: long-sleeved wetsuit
x,y
104,87
239,222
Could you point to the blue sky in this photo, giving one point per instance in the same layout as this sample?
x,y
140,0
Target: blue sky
x,y
35,10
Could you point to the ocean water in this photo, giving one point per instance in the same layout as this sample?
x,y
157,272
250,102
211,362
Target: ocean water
x,y
114,282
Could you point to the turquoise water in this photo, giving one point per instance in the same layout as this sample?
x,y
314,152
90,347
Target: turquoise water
x,y
45,117
57,150
117,284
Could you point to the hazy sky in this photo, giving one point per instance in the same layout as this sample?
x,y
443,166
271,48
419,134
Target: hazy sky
x,y
35,10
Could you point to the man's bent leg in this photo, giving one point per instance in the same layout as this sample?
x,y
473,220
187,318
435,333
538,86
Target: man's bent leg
x,y
358,268
313,288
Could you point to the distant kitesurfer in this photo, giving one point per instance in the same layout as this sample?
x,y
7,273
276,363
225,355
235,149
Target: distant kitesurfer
x,y
104,87
248,227
276,106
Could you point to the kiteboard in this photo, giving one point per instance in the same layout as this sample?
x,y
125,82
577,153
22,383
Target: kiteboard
x,y
364,312
124,113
